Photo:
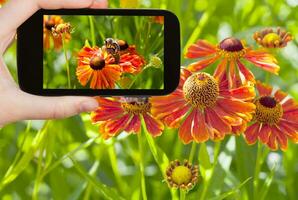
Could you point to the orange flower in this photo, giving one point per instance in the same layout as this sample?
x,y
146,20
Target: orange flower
x,y
97,66
159,19
204,108
50,22
230,52
270,39
117,114
275,120
2,2
130,60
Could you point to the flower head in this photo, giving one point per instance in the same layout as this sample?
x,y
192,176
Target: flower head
x,y
98,67
51,23
204,108
182,175
60,29
269,38
118,114
275,120
231,52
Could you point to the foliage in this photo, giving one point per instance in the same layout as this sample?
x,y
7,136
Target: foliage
x,y
65,159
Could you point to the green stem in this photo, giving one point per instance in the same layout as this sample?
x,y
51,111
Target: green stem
x,y
257,170
192,152
142,168
92,31
66,60
182,194
113,159
208,179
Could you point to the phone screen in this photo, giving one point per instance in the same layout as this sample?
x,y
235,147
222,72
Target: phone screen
x,y
103,52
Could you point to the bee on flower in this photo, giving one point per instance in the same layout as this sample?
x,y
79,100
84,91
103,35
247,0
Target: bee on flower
x,y
60,29
51,23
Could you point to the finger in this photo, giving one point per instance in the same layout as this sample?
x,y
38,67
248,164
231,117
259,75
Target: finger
x,y
36,107
99,4
15,12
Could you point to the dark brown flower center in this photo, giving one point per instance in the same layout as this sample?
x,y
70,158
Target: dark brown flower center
x,y
268,110
231,44
201,90
97,63
49,25
268,101
123,45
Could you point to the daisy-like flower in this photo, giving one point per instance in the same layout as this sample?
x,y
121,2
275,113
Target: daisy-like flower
x,y
130,60
204,108
118,114
182,175
231,52
98,67
50,22
269,38
275,120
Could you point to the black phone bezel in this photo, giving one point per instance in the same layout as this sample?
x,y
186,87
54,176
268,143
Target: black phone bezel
x,y
30,53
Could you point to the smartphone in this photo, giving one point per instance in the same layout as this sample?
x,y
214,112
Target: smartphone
x,y
99,52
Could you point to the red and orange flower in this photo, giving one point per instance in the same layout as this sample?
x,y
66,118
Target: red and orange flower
x,y
275,120
98,67
118,114
230,51
130,60
50,22
203,107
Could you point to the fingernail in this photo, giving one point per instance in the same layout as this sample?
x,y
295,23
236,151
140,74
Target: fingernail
x,y
89,105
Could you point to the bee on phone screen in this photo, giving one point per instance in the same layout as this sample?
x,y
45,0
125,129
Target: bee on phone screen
x,y
112,47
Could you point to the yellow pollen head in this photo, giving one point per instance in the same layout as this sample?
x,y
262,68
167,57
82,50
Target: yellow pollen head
x,y
231,48
181,174
268,110
137,106
271,38
201,90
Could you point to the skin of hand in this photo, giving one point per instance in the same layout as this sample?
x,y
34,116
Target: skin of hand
x,y
17,105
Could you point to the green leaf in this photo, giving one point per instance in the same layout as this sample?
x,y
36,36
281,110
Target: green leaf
x,y
204,158
231,192
105,191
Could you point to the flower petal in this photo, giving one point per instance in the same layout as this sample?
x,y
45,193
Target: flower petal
x,y
248,75
251,133
199,130
185,129
200,49
264,133
264,90
220,70
202,64
154,126
134,126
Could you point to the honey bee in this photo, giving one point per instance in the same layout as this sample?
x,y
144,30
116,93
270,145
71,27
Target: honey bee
x,y
112,47
61,28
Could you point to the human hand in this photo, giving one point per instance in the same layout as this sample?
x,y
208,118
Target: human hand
x,y
15,104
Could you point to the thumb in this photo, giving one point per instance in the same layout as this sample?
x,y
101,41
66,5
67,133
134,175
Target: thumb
x,y
36,107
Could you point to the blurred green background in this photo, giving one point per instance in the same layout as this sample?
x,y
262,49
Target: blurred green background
x,y
141,31
63,160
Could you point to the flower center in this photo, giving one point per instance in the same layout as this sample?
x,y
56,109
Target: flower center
x,y
97,63
123,44
49,25
268,110
181,174
137,106
271,38
231,48
201,90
